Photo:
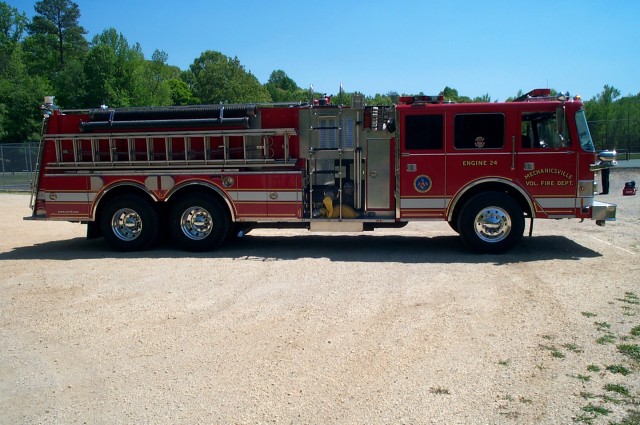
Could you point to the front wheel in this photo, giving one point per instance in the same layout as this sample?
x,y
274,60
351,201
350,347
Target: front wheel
x,y
199,222
491,223
130,223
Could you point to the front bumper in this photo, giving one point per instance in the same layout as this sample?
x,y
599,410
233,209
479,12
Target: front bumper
x,y
602,212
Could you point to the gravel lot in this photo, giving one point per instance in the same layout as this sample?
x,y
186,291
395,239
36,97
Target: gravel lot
x,y
393,326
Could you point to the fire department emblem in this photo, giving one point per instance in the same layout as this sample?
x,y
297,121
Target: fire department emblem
x,y
422,183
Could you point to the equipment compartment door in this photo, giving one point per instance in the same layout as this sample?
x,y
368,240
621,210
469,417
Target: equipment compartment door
x,y
284,195
378,174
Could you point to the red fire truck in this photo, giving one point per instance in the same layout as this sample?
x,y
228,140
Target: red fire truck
x,y
204,174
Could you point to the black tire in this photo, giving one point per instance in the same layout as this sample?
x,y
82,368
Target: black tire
x,y
454,224
491,223
130,223
199,222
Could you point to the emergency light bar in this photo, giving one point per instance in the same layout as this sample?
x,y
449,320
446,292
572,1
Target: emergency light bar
x,y
534,94
420,100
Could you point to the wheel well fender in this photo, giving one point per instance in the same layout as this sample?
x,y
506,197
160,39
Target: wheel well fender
x,y
490,185
123,188
203,187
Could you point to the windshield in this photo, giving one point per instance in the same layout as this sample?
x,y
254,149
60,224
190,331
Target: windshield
x,y
583,132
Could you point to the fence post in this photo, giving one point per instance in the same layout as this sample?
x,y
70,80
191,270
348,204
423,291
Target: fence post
x,y
30,164
4,183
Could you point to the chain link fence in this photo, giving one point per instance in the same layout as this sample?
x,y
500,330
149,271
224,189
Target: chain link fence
x,y
18,161
623,135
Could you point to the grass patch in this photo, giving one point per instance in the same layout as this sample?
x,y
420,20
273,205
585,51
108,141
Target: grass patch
x,y
609,399
598,405
598,410
554,351
572,347
591,413
602,326
606,339
616,368
587,395
619,389
584,378
630,298
628,311
631,350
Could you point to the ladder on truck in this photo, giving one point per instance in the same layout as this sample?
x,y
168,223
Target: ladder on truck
x,y
186,149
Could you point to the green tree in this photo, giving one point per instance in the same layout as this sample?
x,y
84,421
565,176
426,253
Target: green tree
x,y
153,84
217,78
114,71
56,21
281,88
3,119
282,81
608,96
100,71
181,93
20,97
70,85
485,98
450,94
599,113
12,27
383,99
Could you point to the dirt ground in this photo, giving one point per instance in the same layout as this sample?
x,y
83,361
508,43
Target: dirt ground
x,y
394,326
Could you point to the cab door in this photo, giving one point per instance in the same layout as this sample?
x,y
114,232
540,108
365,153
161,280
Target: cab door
x,y
546,161
422,163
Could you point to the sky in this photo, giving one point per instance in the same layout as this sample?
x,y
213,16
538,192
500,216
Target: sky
x,y
495,47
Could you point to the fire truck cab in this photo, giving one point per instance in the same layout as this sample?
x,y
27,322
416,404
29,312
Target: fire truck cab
x,y
203,174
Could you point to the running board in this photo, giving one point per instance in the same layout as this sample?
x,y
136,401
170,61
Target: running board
x,y
336,226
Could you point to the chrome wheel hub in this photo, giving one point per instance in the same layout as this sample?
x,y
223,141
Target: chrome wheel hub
x,y
196,223
492,224
126,224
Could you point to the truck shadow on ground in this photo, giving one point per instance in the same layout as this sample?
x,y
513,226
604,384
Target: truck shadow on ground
x,y
361,248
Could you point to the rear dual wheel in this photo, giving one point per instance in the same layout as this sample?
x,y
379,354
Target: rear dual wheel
x,y
130,223
198,222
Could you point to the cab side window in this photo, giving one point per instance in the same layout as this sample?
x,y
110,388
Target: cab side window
x,y
423,132
478,131
540,130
